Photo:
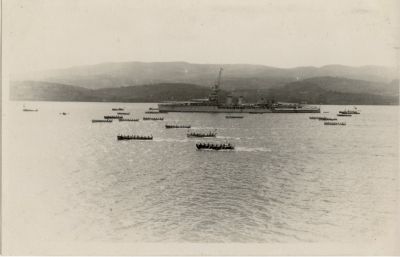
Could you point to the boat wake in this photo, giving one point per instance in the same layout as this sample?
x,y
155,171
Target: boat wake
x,y
171,140
212,150
253,149
206,128
236,138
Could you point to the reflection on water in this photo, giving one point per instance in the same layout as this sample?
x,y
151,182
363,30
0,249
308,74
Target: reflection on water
x,y
290,179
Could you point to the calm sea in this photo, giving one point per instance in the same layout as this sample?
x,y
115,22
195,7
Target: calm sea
x,y
290,179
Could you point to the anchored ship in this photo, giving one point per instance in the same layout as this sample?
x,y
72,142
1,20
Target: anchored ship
x,y
213,104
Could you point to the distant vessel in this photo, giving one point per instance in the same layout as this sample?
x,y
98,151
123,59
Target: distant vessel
x,y
168,126
107,117
128,119
134,137
153,118
123,113
233,117
117,109
354,111
213,104
215,146
326,118
334,123
29,110
202,134
108,120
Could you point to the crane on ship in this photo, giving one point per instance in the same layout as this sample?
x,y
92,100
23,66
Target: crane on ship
x,y
219,79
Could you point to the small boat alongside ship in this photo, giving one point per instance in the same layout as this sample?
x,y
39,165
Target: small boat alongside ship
x,y
134,137
214,146
294,108
152,112
344,115
117,109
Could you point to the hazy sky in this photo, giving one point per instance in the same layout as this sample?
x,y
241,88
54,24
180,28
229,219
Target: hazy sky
x,y
60,33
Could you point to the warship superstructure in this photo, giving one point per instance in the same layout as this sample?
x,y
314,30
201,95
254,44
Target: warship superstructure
x,y
213,104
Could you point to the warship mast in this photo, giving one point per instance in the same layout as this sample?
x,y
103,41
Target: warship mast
x,y
214,95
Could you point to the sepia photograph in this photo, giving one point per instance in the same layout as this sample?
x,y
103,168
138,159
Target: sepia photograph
x,y
200,127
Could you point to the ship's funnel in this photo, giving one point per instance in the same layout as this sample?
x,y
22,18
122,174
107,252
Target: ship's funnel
x,y
229,100
240,101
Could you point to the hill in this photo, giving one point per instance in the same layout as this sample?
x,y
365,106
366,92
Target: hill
x,y
334,90
235,76
319,90
46,91
345,85
154,93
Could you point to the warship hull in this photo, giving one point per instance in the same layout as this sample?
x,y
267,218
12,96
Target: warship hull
x,y
222,109
209,108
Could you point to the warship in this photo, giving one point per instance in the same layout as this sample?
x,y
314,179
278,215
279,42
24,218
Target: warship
x,y
213,104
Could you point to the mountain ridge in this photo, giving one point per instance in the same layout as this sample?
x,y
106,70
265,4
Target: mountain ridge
x,y
47,91
317,90
235,76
